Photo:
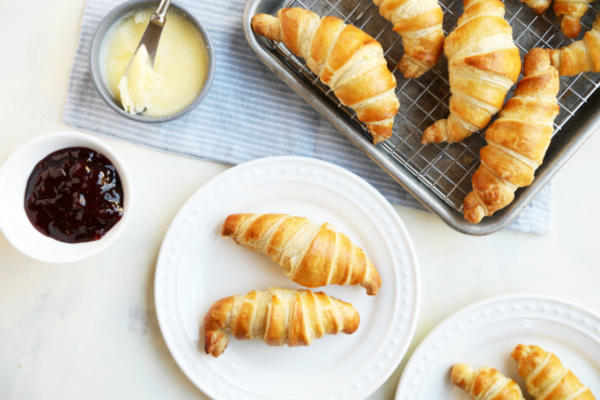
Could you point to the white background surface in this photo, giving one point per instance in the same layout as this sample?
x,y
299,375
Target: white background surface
x,y
89,330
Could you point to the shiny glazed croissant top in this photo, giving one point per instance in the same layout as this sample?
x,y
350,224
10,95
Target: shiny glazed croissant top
x,y
311,254
483,64
344,57
278,316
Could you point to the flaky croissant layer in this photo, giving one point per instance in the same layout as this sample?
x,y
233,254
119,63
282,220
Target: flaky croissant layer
x,y
419,22
483,64
580,56
570,13
278,316
546,378
539,6
311,254
485,383
517,141
345,58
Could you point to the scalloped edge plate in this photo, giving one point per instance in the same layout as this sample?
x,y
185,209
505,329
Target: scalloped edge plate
x,y
485,333
196,266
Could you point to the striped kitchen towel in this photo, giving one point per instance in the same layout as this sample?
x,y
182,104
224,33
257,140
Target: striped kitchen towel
x,y
248,112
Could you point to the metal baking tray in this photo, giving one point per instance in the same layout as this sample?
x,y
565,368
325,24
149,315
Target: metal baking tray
x,y
438,175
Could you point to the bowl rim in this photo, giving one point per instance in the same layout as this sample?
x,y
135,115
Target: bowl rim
x,y
94,60
24,152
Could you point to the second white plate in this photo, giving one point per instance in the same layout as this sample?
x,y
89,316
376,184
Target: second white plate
x,y
197,266
485,334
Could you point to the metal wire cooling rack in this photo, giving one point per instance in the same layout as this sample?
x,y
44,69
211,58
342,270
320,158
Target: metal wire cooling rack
x,y
443,168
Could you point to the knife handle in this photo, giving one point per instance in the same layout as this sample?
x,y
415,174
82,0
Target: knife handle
x,y
159,15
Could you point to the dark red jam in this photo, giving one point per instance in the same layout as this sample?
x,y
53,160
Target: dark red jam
x,y
74,195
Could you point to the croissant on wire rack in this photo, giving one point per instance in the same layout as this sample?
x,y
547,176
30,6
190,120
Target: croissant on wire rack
x,y
311,254
580,56
545,376
278,316
485,383
570,13
539,6
419,22
345,58
483,64
517,141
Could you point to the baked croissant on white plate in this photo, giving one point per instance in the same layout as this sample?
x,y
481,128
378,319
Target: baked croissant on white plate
x,y
345,58
517,141
483,64
485,383
419,22
580,56
311,254
546,378
278,316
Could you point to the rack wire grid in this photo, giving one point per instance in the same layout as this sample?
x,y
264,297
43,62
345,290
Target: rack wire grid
x,y
444,168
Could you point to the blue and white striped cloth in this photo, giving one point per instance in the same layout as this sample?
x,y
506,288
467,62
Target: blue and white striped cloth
x,y
248,112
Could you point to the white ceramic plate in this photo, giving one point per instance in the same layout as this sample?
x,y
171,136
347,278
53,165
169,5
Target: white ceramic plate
x,y
485,334
197,266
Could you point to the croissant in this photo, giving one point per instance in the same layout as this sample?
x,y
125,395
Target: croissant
x,y
517,140
485,383
580,56
419,22
345,58
570,13
539,6
483,64
278,316
311,254
545,376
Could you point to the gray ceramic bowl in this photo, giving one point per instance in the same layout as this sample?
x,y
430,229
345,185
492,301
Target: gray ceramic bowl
x,y
96,67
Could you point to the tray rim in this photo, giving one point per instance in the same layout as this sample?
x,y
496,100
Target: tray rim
x,y
575,132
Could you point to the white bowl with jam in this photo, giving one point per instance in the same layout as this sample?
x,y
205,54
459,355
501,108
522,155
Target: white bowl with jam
x,y
66,197
177,81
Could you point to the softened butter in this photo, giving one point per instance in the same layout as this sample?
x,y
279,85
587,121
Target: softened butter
x,y
179,70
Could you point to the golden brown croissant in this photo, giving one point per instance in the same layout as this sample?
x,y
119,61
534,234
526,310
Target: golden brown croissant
x,y
485,383
570,13
278,316
545,376
517,141
311,254
419,22
580,56
539,6
345,58
483,64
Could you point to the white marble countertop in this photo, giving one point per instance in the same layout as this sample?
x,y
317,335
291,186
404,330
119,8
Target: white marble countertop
x,y
89,330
